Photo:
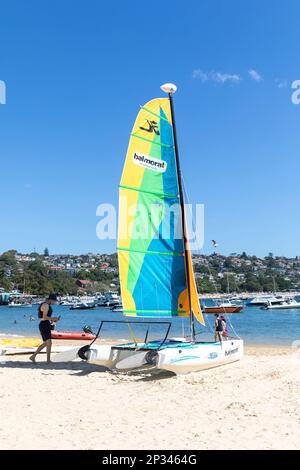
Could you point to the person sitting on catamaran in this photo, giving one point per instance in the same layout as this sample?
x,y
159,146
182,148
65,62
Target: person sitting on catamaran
x,y
219,328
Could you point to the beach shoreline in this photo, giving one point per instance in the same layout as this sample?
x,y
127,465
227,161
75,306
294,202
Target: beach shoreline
x,y
249,346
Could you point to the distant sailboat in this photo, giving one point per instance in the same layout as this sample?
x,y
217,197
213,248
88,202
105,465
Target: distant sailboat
x,y
156,272
224,307
21,300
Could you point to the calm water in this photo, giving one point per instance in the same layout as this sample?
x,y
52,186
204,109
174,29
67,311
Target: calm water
x,y
253,324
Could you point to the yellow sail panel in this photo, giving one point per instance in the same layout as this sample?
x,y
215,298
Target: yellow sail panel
x,y
146,140
195,304
127,298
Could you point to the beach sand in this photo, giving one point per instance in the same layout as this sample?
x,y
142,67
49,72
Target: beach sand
x,y
252,404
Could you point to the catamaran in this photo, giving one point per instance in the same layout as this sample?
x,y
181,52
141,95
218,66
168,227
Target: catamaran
x,y
156,271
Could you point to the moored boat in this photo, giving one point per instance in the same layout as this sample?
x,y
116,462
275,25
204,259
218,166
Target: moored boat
x,y
83,306
267,299
19,305
109,299
117,308
156,271
283,305
224,307
72,335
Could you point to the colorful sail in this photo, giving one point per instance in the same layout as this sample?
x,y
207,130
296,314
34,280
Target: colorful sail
x,y
150,239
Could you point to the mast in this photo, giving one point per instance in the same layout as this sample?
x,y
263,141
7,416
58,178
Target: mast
x,y
170,88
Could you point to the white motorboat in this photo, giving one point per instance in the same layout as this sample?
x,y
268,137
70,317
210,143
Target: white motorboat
x,y
283,305
109,299
268,299
19,305
68,301
83,306
117,308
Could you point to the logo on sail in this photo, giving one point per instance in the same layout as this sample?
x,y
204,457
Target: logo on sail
x,y
150,163
152,127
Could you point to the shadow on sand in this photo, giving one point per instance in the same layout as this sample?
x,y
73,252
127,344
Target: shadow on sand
x,y
84,368
80,368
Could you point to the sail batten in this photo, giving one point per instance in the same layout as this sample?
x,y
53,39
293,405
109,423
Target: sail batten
x,y
156,311
172,196
154,114
168,253
152,142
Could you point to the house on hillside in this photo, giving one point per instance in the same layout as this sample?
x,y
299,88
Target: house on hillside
x,y
83,283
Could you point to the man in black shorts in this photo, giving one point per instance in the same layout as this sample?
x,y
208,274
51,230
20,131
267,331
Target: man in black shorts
x,y
219,326
44,312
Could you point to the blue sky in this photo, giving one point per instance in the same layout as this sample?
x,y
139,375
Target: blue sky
x,y
76,73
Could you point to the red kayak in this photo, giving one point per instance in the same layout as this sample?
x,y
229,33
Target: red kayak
x,y
72,335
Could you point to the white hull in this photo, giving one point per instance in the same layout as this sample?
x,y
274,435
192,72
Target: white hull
x,y
202,357
283,307
19,305
179,359
272,300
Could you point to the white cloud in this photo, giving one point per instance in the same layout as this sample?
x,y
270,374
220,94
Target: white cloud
x,y
225,77
217,77
200,75
255,75
281,83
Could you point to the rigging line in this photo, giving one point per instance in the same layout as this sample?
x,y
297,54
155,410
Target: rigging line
x,y
227,317
183,220
207,321
232,327
132,335
157,303
182,328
